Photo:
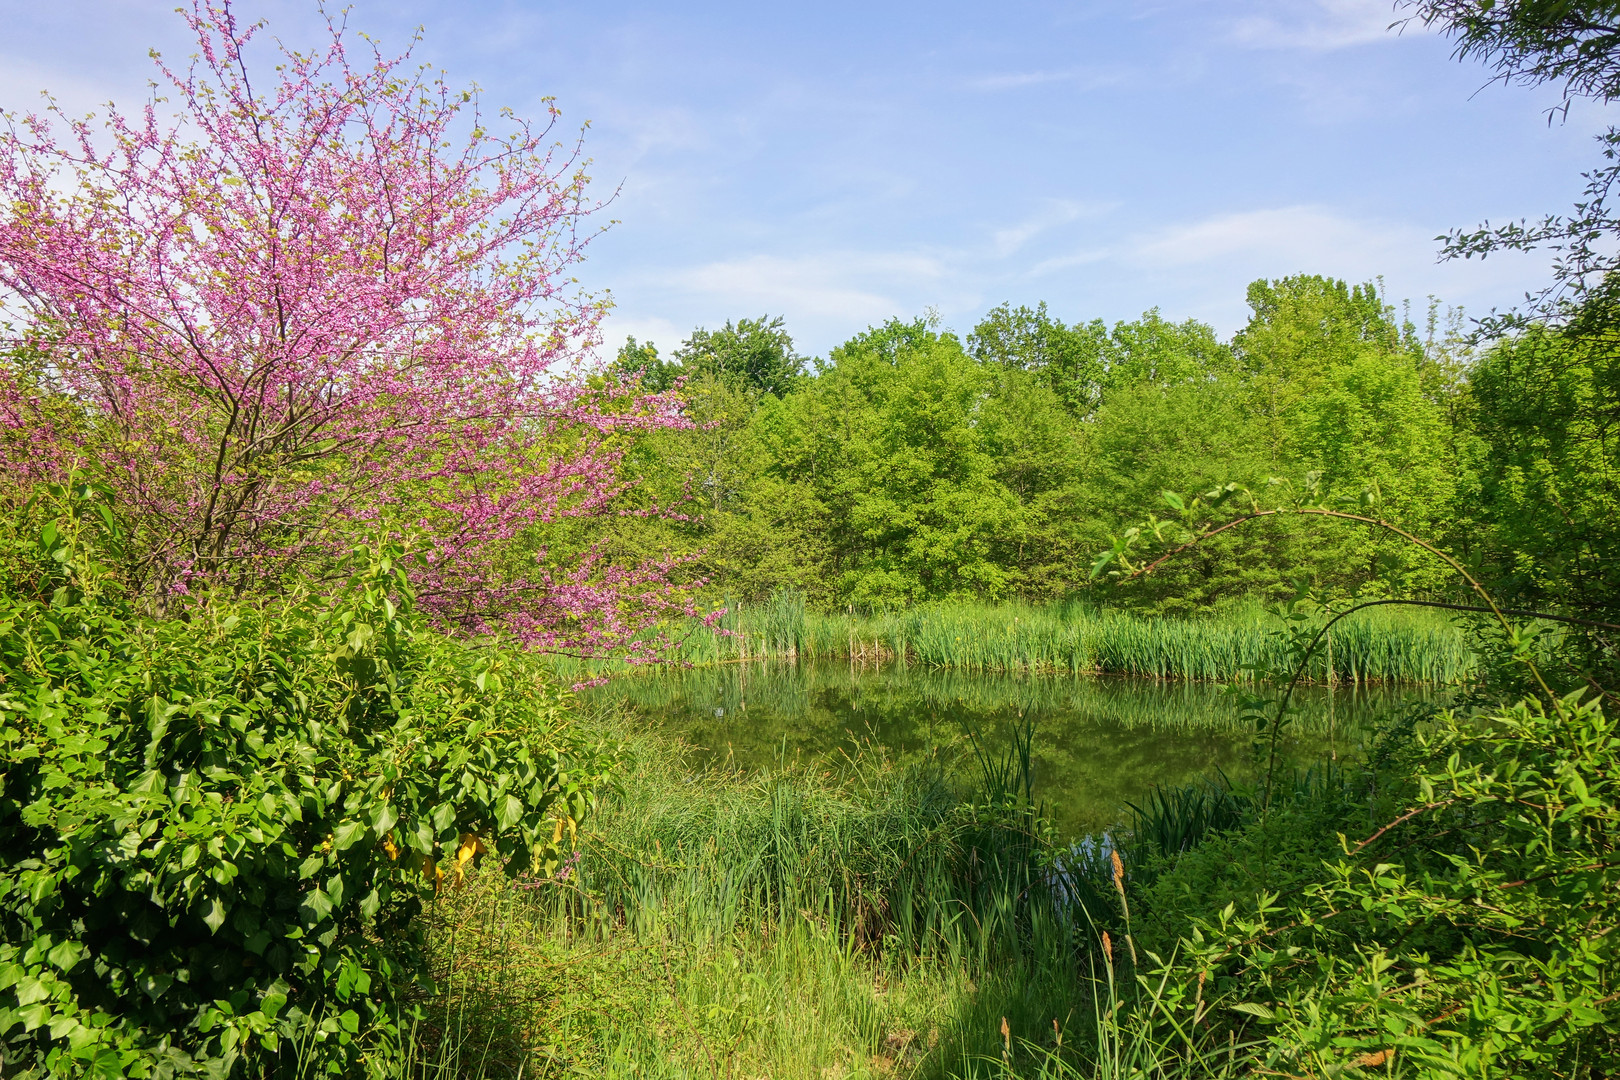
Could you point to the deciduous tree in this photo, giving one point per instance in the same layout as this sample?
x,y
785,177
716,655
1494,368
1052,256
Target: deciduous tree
x,y
278,308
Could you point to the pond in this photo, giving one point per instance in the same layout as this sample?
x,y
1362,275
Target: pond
x,y
1099,741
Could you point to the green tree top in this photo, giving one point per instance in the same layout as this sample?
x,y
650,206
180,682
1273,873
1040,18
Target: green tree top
x,y
641,360
758,353
1081,363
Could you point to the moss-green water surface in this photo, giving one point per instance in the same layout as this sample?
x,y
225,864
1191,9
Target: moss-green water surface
x,y
1099,742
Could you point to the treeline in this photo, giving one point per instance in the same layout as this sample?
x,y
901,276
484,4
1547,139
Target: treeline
x,y
912,464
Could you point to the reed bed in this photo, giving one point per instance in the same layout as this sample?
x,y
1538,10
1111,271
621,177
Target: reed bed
x,y
1384,645
872,923
876,922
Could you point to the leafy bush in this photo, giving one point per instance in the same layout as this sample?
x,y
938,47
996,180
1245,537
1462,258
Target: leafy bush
x,y
215,831
1464,924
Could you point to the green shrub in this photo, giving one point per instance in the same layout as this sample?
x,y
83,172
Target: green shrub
x,y
216,830
1463,924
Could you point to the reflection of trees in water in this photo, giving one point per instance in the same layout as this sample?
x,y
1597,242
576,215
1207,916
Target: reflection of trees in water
x,y
1099,741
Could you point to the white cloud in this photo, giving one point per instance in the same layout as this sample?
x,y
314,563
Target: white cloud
x,y
1279,240
1089,78
824,296
1068,262
1319,25
1291,236
1056,213
661,332
1199,267
850,285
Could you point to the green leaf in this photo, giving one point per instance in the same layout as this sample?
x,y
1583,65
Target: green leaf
x,y
508,811
65,955
316,906
346,834
31,990
214,917
383,818
155,985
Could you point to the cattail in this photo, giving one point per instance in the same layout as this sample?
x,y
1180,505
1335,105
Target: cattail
x,y
1006,1040
1057,1033
1108,948
1119,887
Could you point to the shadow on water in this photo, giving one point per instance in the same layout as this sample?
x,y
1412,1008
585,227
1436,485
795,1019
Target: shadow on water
x,y
1100,741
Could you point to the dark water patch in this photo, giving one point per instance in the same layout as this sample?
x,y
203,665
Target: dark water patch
x,y
1099,742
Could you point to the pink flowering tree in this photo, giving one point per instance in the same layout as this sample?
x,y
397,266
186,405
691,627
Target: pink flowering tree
x,y
277,318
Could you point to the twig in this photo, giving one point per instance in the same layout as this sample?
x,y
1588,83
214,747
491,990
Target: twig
x,y
1410,814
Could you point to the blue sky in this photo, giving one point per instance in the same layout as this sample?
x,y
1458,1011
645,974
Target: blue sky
x,y
839,163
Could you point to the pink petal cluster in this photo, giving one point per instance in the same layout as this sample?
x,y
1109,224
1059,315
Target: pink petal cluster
x,y
277,318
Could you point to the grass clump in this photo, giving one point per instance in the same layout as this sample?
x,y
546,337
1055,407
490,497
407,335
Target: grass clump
x,y
872,922
1376,646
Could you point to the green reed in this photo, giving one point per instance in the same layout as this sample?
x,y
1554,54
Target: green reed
x,y
1385,645
787,924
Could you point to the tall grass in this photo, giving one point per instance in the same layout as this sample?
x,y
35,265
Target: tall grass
x,y
1377,646
873,923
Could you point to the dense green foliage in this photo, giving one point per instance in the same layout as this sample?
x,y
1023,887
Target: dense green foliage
x,y
1451,912
909,467
216,831
1545,404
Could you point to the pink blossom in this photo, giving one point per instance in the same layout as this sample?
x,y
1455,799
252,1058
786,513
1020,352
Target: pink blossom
x,y
295,311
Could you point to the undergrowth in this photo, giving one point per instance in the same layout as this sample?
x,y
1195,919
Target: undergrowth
x,y
872,922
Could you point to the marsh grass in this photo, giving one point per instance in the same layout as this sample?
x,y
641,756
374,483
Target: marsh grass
x,y
1384,645
873,922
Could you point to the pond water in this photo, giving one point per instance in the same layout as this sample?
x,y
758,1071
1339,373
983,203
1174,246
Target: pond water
x,y
1099,741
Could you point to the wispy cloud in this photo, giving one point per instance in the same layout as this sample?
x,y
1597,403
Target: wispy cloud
x,y
1055,214
1069,262
1087,77
814,285
1318,25
24,83
1288,238
661,332
825,296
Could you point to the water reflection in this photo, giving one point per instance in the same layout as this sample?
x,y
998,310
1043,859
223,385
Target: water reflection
x,y
1099,741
